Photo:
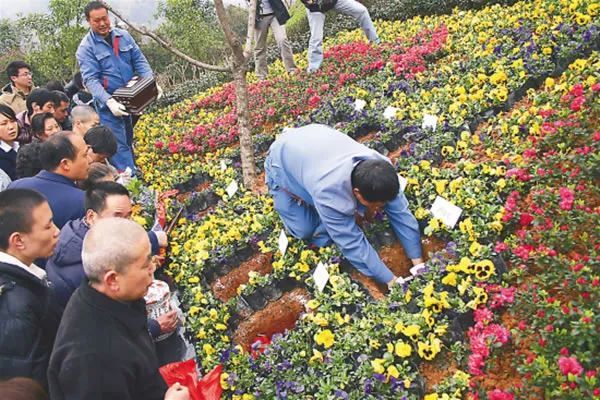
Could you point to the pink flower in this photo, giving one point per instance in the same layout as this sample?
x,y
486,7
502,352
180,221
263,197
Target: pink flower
x,y
498,394
577,103
566,198
483,316
569,365
577,90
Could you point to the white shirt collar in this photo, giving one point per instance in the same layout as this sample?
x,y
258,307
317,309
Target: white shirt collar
x,y
32,269
7,147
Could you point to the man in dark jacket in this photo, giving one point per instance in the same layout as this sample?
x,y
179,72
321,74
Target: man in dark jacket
x,y
28,318
65,267
316,9
64,159
103,349
273,14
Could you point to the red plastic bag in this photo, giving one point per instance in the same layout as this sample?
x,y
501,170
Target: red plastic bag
x,y
184,372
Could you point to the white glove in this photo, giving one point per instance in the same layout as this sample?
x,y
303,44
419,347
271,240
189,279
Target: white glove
x,y
418,269
162,238
116,108
160,92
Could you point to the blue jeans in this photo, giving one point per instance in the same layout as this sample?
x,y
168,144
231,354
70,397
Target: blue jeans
x,y
316,21
122,130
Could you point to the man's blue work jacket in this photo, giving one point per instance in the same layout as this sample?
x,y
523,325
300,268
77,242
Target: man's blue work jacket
x,y
105,68
315,163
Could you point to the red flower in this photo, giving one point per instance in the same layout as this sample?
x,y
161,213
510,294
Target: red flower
x,y
525,219
564,351
577,90
498,394
569,365
314,101
577,103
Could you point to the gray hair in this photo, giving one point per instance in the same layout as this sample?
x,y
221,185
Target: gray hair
x,y
82,113
111,244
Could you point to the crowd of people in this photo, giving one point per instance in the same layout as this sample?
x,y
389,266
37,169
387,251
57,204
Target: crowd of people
x,y
74,267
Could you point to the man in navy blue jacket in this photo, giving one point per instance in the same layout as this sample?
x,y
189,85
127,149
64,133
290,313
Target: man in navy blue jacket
x,y
64,159
65,267
29,317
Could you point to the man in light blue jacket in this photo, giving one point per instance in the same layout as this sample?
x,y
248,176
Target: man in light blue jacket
x,y
320,179
108,59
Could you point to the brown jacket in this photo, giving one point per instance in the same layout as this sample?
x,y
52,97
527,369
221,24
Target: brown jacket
x,y
14,98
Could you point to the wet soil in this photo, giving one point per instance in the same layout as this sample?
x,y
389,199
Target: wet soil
x,y
276,317
225,287
398,262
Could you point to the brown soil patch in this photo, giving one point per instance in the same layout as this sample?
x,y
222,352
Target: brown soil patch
x,y
226,286
398,262
259,184
203,186
276,317
434,372
366,137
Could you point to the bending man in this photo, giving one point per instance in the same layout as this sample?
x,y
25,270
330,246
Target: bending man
x,y
321,181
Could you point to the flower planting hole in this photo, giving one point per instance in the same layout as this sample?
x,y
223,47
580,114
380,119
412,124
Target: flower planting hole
x,y
276,317
225,287
398,262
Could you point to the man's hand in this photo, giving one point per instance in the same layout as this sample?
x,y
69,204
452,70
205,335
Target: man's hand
x,y
168,322
163,240
177,392
116,108
160,92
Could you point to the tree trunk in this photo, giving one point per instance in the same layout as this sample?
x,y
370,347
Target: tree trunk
x,y
243,116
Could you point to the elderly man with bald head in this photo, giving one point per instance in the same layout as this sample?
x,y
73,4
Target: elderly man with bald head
x,y
103,349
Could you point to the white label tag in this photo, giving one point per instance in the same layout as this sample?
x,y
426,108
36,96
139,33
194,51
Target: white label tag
x,y
446,211
321,276
232,188
390,112
223,165
429,121
283,243
359,104
403,182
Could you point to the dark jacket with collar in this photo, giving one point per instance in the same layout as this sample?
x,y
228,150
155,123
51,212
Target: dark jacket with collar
x,y
103,351
8,162
279,10
313,5
28,323
65,268
24,122
65,198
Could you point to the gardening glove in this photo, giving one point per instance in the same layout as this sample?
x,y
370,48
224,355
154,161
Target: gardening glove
x,y
160,92
117,108
418,269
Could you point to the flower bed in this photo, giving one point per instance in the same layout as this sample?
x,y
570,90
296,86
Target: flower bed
x,y
526,181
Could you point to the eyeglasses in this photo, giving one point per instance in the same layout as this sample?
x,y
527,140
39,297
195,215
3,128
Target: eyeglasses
x,y
26,74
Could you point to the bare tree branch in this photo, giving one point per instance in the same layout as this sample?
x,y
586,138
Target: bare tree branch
x,y
230,36
251,28
168,46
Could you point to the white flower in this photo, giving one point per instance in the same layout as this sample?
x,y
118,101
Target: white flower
x,y
390,112
359,104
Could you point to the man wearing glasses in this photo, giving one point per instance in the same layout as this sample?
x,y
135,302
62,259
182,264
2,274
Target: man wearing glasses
x,y
15,93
